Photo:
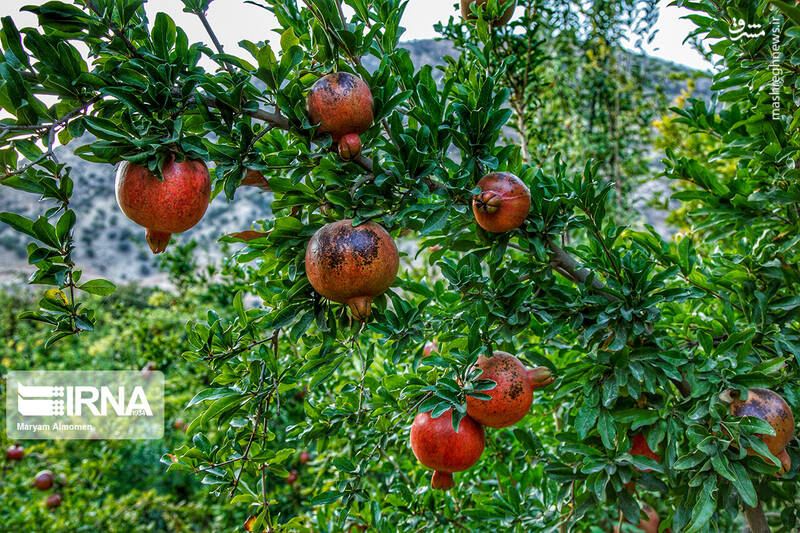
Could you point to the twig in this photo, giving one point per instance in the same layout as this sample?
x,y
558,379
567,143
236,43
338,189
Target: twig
x,y
217,44
51,137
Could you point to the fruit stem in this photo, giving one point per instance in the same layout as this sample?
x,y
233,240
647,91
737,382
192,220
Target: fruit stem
x,y
540,377
360,306
442,481
157,240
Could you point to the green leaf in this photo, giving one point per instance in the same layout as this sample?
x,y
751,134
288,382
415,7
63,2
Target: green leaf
x,y
98,286
703,509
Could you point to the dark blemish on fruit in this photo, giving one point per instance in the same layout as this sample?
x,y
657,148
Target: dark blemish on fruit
x,y
337,245
515,389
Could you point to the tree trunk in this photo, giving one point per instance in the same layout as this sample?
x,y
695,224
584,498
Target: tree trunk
x,y
756,519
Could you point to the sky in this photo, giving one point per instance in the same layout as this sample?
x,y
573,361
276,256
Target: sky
x,y
233,21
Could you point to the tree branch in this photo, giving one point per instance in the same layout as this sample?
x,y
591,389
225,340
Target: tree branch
x,y
756,519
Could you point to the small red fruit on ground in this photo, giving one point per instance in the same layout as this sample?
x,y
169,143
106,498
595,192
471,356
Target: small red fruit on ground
x,y
43,480
164,207
352,265
437,446
15,453
54,500
503,203
513,395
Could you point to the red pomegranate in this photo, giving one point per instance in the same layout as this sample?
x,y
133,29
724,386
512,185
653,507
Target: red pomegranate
x,y
15,453
164,206
437,446
430,347
304,457
291,479
43,480
503,204
773,409
639,446
54,500
341,104
352,265
513,395
468,15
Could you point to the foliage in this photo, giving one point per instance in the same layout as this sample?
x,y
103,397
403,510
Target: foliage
x,y
644,334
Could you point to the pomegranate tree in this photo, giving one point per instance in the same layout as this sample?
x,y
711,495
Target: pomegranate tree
x,y
164,206
512,396
502,204
352,265
341,103
439,447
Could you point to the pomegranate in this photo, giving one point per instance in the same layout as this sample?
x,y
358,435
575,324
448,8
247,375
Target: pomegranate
x,y
437,446
513,395
649,524
54,500
770,407
43,480
503,203
304,457
430,347
639,446
341,104
291,479
167,206
466,12
15,453
352,265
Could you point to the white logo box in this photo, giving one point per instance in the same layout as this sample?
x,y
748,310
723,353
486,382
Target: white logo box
x,y
100,404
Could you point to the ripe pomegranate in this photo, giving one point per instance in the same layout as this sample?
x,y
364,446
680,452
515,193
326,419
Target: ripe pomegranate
x,y
441,449
352,265
304,457
513,395
291,479
54,500
167,206
341,104
503,203
15,453
468,15
770,407
649,524
639,446
179,424
43,480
